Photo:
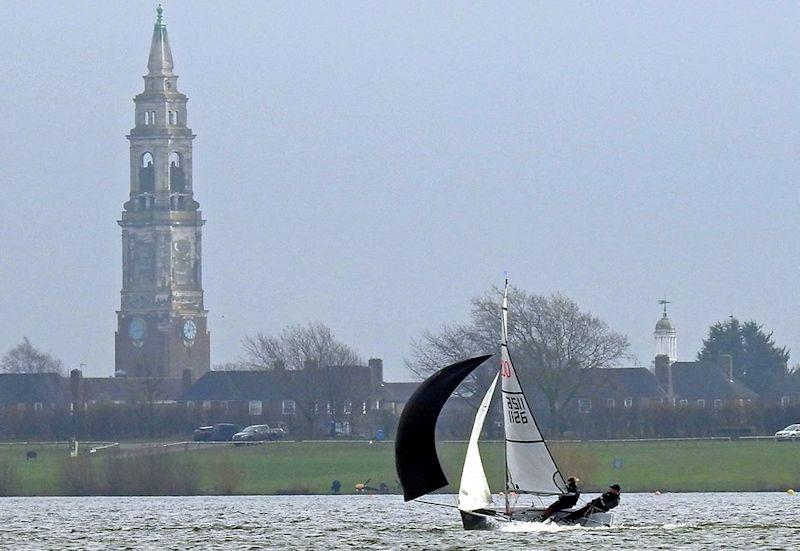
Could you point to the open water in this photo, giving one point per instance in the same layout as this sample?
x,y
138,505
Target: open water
x,y
670,521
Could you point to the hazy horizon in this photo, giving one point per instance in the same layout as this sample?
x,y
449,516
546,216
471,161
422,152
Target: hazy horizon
x,y
374,166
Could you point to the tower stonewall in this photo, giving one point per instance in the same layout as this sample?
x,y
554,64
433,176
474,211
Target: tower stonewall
x,y
161,323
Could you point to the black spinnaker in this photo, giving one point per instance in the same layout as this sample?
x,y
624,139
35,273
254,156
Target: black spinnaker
x,y
415,446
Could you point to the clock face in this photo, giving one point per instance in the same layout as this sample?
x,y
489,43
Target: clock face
x,y
189,330
137,329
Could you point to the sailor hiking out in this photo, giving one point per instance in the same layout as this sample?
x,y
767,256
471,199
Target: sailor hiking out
x,y
604,503
566,500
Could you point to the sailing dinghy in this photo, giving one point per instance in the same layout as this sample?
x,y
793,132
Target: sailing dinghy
x,y
531,469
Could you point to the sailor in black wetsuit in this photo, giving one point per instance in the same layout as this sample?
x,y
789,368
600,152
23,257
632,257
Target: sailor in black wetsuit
x,y
566,500
604,503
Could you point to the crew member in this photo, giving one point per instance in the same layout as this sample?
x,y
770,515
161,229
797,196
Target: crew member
x,y
565,500
604,503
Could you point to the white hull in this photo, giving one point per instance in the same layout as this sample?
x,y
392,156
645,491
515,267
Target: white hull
x,y
486,519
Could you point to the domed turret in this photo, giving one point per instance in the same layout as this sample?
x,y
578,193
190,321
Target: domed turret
x,y
664,324
665,336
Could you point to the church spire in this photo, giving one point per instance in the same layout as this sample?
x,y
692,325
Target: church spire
x,y
160,61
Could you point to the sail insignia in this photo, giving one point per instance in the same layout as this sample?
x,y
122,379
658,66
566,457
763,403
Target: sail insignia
x,y
417,463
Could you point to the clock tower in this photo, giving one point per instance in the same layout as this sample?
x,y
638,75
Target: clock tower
x,y
161,323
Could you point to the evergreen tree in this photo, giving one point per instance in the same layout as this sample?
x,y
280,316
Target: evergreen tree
x,y
757,361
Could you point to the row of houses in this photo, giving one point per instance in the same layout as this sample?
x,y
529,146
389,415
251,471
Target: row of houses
x,y
311,399
307,400
679,384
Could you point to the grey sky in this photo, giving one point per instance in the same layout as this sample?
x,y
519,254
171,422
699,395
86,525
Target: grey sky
x,y
374,165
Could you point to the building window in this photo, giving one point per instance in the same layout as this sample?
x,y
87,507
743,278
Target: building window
x,y
628,403
316,408
287,407
377,403
610,403
684,402
38,406
785,401
701,403
348,407
173,117
717,404
584,406
329,407
255,407
364,407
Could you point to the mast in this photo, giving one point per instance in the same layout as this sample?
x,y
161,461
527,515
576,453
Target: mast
x,y
504,344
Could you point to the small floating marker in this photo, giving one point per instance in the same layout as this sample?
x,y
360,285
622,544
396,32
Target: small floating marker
x,y
657,493
791,492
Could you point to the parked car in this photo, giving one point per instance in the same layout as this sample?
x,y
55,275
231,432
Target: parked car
x,y
219,432
259,433
791,432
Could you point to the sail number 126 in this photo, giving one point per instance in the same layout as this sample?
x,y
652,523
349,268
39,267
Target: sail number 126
x,y
517,413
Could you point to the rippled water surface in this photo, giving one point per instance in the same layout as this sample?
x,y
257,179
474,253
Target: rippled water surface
x,y
669,521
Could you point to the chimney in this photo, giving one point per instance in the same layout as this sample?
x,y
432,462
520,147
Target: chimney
x,y
664,374
726,362
186,379
75,386
375,372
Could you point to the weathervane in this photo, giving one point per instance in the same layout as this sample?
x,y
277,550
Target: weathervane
x,y
664,303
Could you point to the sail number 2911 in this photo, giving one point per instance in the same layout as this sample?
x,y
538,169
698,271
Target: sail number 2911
x,y
517,413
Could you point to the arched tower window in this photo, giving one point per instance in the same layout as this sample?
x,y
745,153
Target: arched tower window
x,y
152,117
173,117
147,174
177,176
147,117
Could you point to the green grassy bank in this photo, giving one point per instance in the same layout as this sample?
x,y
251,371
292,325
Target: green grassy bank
x,y
309,467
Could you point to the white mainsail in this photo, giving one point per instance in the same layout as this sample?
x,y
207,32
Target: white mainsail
x,y
474,492
529,466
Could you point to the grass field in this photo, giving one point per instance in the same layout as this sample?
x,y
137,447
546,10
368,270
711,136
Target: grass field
x,y
309,467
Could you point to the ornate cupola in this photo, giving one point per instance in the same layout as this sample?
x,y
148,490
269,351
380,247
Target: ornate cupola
x,y
161,324
666,338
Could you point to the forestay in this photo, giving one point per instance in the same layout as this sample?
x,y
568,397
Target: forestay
x,y
529,466
474,492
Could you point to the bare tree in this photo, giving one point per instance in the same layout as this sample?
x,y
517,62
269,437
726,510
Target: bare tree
x,y
26,358
551,341
296,345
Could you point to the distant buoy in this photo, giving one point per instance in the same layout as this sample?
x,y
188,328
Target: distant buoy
x,y
790,492
657,493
